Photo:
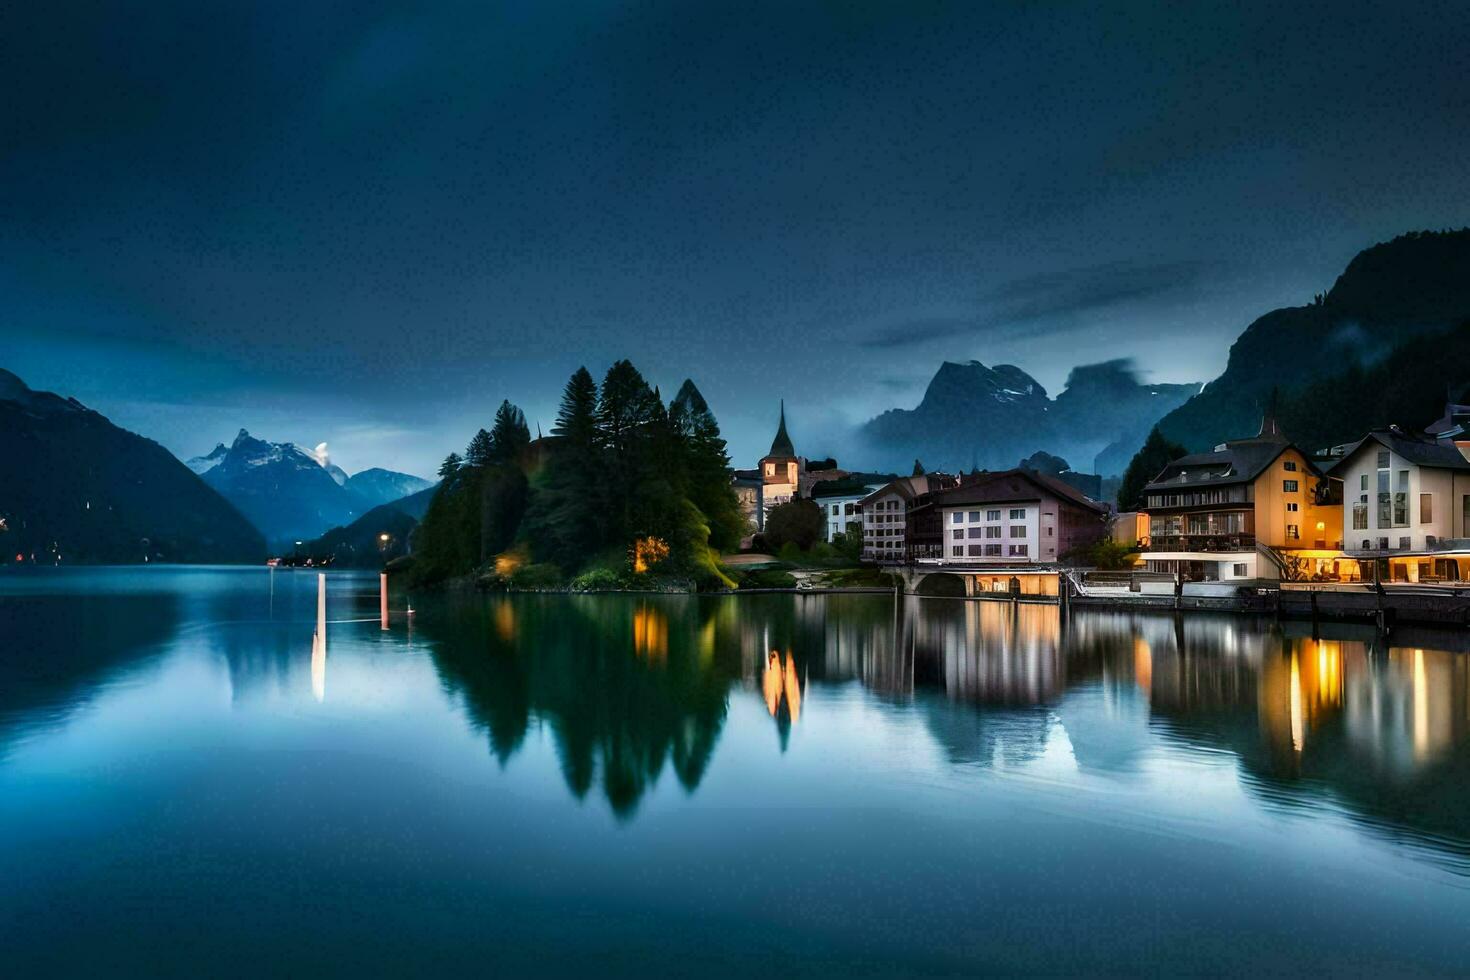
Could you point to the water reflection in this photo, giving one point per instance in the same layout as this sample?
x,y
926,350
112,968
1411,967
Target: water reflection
x,y
625,688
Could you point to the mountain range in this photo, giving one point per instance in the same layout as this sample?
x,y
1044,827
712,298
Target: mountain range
x,y
972,416
76,488
294,494
1381,346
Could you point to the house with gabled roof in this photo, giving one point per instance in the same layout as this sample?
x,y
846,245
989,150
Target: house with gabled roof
x,y
1231,515
1407,502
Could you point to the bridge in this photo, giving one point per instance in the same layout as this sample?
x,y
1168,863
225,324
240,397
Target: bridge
x,y
977,580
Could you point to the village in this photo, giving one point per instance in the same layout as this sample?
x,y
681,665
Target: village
x,y
1237,528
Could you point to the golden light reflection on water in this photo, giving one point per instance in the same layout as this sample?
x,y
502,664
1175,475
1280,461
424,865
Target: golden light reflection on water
x,y
781,685
505,620
650,633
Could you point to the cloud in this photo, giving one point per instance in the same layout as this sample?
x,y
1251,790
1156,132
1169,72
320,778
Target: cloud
x,y
1049,303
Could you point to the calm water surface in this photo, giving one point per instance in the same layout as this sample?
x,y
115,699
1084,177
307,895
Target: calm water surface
x,y
192,781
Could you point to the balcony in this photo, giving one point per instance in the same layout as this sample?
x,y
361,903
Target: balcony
x,y
1202,542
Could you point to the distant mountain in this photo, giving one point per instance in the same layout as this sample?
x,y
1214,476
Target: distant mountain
x,y
972,415
361,545
283,489
415,505
1387,296
75,485
379,486
203,464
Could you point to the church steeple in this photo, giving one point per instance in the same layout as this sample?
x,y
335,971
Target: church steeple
x,y
781,445
1270,428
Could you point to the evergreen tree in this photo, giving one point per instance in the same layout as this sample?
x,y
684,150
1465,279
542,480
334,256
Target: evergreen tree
x,y
509,437
1157,453
565,522
450,466
478,451
707,467
626,407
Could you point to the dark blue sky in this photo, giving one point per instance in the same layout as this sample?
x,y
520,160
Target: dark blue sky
x,y
366,223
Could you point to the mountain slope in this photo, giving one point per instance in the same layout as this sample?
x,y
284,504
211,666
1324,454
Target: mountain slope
x,y
379,486
973,415
284,490
1387,295
75,485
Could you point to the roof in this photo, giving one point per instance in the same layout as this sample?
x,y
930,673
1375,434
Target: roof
x,y
907,487
846,487
1420,452
781,445
1235,462
1017,484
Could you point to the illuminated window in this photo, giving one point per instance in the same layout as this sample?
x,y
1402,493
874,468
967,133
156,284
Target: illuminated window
x,y
1292,508
1293,532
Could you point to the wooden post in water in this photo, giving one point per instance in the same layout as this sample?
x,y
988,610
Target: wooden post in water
x,y
383,600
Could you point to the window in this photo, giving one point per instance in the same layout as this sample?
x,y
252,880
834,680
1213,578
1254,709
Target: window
x,y
1018,531
958,534
1383,544
992,515
992,550
974,516
836,510
1292,507
1426,508
1363,483
975,551
1383,459
1293,532
958,551
1288,486
1404,543
1360,516
1289,466
975,532
1018,513
1018,549
993,531
957,518
1239,569
1048,531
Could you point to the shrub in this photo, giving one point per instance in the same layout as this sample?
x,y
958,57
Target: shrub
x,y
768,578
598,580
790,552
540,576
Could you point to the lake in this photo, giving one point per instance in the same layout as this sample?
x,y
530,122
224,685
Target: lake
x,y
197,779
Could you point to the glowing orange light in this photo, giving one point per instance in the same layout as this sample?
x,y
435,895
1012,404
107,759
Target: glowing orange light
x,y
648,552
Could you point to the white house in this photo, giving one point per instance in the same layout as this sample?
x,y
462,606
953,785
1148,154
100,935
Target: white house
x,y
1405,494
841,503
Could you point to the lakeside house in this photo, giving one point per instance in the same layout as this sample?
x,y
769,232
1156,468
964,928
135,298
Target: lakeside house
x,y
885,511
841,503
1408,504
1238,513
1016,517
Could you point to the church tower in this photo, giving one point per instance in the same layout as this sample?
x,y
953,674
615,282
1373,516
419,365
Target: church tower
x,y
781,466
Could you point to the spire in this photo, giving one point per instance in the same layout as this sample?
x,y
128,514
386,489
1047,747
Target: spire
x,y
1270,428
781,445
